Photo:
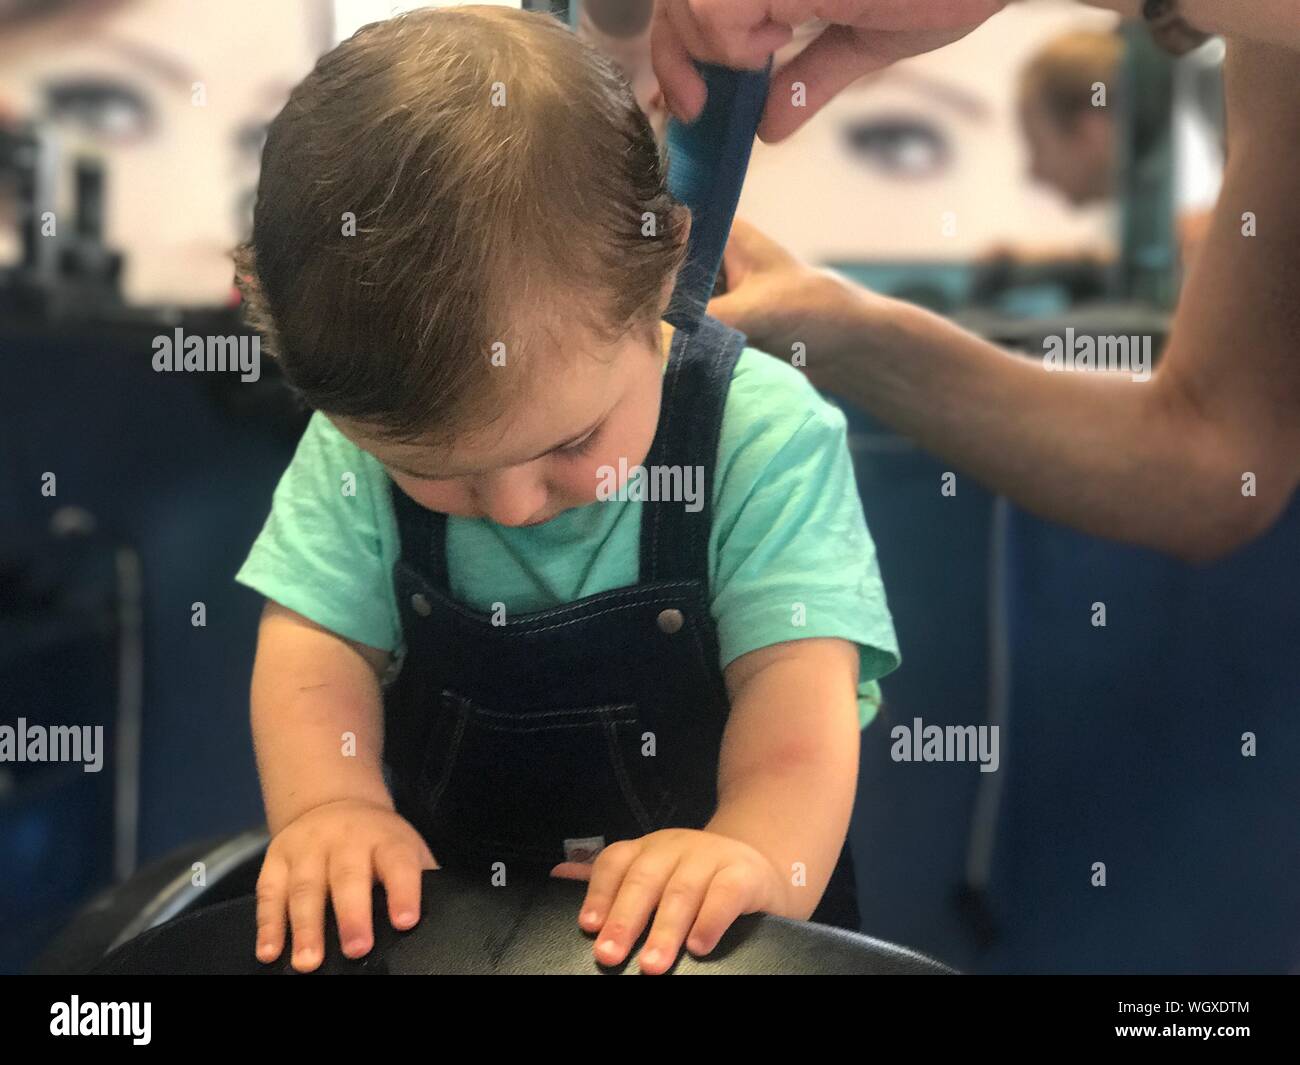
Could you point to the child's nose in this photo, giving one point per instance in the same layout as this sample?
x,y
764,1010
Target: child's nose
x,y
512,498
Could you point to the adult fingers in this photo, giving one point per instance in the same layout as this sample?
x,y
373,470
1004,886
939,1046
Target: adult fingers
x,y
801,88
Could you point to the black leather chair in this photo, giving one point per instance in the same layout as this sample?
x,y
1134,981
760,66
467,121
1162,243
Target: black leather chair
x,y
160,922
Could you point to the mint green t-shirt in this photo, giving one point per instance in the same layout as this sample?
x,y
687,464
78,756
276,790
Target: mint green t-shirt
x,y
790,556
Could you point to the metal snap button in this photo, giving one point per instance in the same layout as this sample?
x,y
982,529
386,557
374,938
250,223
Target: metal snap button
x,y
421,605
670,620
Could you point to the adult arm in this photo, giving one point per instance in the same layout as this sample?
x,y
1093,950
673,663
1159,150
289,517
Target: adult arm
x,y
1159,463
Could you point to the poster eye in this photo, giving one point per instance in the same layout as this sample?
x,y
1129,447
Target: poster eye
x,y
103,109
899,147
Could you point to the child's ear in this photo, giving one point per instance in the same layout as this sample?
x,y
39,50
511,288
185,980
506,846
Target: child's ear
x,y
666,293
686,232
671,281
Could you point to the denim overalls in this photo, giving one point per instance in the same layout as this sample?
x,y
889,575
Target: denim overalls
x,y
530,741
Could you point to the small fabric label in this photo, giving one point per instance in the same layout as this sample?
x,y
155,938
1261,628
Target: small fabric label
x,y
584,850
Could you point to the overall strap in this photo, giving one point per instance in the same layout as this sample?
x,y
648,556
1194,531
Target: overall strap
x,y
675,540
423,537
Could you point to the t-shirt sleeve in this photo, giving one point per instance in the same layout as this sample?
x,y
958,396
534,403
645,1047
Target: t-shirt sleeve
x,y
794,558
322,551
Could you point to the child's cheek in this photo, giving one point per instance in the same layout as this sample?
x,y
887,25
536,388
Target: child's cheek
x,y
442,496
610,467
576,487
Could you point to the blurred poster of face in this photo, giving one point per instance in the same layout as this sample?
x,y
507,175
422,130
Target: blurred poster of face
x,y
174,97
925,160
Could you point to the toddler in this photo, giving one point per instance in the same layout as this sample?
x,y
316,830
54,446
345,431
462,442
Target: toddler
x,y
551,589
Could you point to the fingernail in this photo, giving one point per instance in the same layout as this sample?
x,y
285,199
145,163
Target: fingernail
x,y
608,947
357,946
406,917
590,915
650,957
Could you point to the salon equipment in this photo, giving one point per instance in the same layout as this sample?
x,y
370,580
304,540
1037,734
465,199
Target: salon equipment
x,y
65,269
164,923
1147,268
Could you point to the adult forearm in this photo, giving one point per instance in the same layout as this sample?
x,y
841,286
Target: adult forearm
x,y
1196,461
1233,351
1098,451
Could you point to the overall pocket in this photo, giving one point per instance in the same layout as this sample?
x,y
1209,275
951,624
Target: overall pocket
x,y
518,784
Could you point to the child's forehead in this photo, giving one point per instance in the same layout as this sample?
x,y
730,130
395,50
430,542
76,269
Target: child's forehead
x,y
525,419
510,441
537,400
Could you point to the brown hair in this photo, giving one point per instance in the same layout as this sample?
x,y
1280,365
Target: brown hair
x,y
1061,76
475,223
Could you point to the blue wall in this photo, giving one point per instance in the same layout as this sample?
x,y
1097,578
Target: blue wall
x,y
1123,743
168,464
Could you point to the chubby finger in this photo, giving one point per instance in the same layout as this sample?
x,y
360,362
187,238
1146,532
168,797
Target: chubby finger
x,y
730,893
272,899
398,868
307,911
351,879
604,876
638,894
679,906
572,871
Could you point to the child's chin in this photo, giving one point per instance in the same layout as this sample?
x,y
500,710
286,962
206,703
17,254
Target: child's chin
x,y
557,513
542,521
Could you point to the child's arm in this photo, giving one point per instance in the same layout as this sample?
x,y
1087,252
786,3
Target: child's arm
x,y
317,718
310,687
789,767
786,784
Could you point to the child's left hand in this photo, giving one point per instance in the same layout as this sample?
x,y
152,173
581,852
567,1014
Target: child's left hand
x,y
699,882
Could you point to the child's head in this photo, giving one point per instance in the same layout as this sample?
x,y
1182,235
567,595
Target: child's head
x,y
462,249
1071,138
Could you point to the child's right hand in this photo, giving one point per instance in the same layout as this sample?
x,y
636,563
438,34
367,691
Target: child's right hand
x,y
339,849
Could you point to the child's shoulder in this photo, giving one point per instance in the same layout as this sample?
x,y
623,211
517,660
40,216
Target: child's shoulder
x,y
776,429
770,401
325,458
322,442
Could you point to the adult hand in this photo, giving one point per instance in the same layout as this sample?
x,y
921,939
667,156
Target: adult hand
x,y
861,36
780,302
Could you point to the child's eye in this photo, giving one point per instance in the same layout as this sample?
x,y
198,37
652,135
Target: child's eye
x,y
582,446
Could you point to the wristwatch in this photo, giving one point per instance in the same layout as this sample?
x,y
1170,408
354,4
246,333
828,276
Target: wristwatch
x,y
1170,30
